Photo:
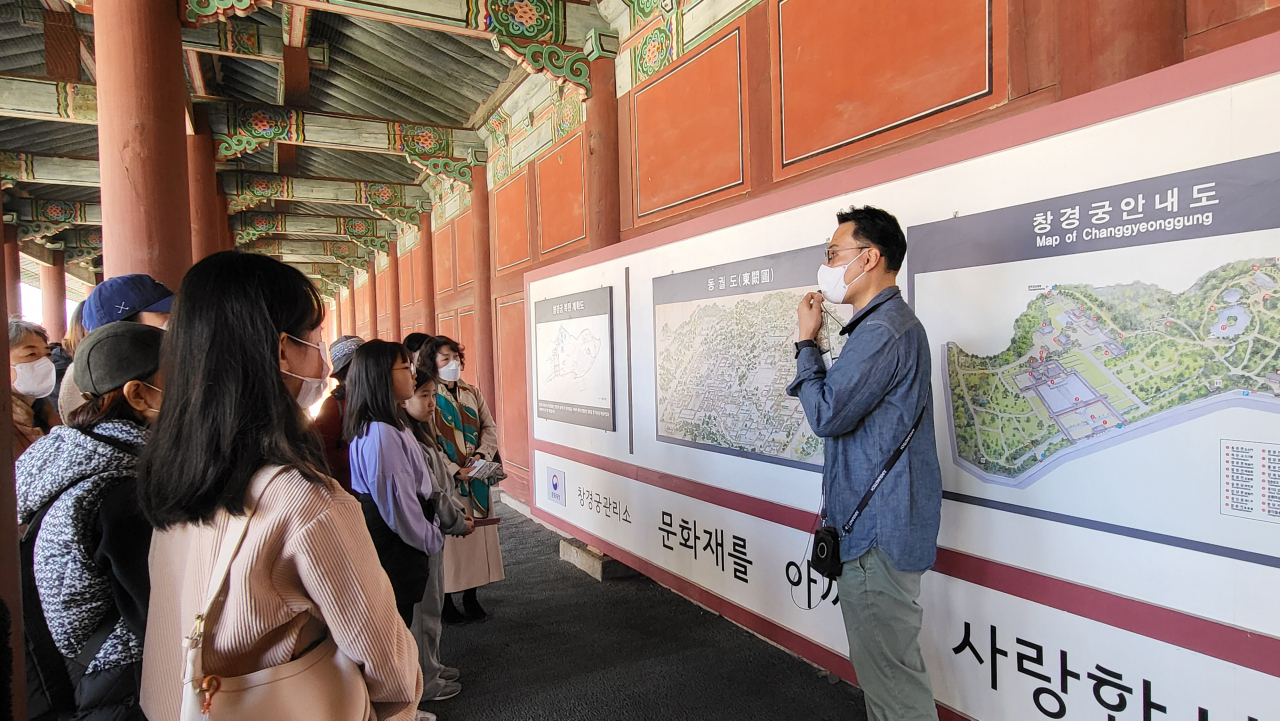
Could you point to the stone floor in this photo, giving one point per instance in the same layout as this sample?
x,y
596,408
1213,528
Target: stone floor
x,y
560,646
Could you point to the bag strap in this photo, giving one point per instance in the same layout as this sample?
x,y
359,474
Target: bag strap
x,y
115,443
884,473
230,546
44,659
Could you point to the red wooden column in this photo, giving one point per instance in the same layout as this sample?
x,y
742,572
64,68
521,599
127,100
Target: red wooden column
x,y
350,308
373,296
482,359
53,296
427,273
209,229
393,291
10,583
142,98
603,192
12,271
337,313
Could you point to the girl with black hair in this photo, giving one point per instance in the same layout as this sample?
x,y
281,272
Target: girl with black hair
x,y
388,472
242,360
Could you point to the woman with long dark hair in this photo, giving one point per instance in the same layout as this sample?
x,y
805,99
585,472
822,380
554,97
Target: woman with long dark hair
x,y
388,472
242,361
465,431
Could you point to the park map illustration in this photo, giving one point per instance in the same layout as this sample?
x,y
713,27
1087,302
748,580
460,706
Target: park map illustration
x,y
723,368
1087,363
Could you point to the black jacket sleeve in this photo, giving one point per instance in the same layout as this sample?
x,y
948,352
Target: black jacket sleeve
x,y
122,551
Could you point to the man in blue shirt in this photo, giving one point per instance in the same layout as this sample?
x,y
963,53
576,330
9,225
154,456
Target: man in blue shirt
x,y
864,405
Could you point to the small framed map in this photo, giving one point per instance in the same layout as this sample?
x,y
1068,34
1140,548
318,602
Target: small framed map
x,y
573,358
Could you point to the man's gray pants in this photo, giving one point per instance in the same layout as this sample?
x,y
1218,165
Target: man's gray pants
x,y
426,628
882,620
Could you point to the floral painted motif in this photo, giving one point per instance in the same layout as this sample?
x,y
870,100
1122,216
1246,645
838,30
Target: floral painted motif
x,y
263,186
526,19
568,115
654,52
421,140
382,194
644,8
58,211
265,122
264,222
358,227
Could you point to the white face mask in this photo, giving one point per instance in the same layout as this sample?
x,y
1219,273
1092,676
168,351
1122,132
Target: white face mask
x,y
831,280
312,388
451,371
36,379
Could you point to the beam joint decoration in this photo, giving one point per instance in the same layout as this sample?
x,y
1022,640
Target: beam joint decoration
x,y
249,40
200,12
33,210
562,66
249,128
295,24
459,170
39,230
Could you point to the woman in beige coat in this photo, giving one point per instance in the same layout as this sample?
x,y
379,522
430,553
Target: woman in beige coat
x,y
465,431
243,360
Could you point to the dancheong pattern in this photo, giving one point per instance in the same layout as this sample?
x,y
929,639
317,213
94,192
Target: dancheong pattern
x,y
526,19
654,52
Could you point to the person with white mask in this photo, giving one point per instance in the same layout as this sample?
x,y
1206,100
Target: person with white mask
x,y
32,376
466,433
881,484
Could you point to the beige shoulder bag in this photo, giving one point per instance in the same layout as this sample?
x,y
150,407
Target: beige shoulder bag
x,y
322,684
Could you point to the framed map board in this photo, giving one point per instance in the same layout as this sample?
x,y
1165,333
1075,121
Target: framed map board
x,y
724,349
573,343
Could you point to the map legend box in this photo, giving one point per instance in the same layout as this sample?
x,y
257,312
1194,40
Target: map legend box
x,y
1251,480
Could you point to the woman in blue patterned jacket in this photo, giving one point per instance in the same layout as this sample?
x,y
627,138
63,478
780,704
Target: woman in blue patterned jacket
x,y
84,555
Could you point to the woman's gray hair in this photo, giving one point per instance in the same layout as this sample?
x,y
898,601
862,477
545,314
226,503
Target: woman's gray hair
x,y
18,329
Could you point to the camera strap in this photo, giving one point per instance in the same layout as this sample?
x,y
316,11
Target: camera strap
x,y
884,473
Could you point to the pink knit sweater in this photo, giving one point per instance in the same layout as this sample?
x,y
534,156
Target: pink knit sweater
x,y
307,563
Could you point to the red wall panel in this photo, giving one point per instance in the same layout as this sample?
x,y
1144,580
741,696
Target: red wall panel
x,y
913,58
466,337
442,242
464,246
688,129
562,195
512,408
447,325
510,229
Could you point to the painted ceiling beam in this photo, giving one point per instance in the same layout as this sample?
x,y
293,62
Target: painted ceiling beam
x,y
295,24
393,201
44,99
239,129
54,211
52,12
369,232
250,41
555,21
26,167
352,256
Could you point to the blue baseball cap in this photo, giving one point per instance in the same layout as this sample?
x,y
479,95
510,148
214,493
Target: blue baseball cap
x,y
122,296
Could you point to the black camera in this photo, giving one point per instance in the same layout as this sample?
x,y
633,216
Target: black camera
x,y
826,553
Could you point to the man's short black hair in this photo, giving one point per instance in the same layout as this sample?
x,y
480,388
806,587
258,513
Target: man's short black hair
x,y
879,228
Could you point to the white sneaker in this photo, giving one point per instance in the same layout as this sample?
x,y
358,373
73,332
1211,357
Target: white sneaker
x,y
425,716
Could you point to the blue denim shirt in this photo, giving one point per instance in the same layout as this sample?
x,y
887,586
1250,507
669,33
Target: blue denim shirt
x,y
863,406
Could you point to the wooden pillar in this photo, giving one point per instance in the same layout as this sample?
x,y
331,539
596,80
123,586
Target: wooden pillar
x,y
337,313
209,228
53,296
427,274
142,94
603,192
393,291
10,581
373,296
482,358
12,272
350,308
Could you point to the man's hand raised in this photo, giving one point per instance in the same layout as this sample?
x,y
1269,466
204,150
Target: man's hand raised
x,y
810,313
